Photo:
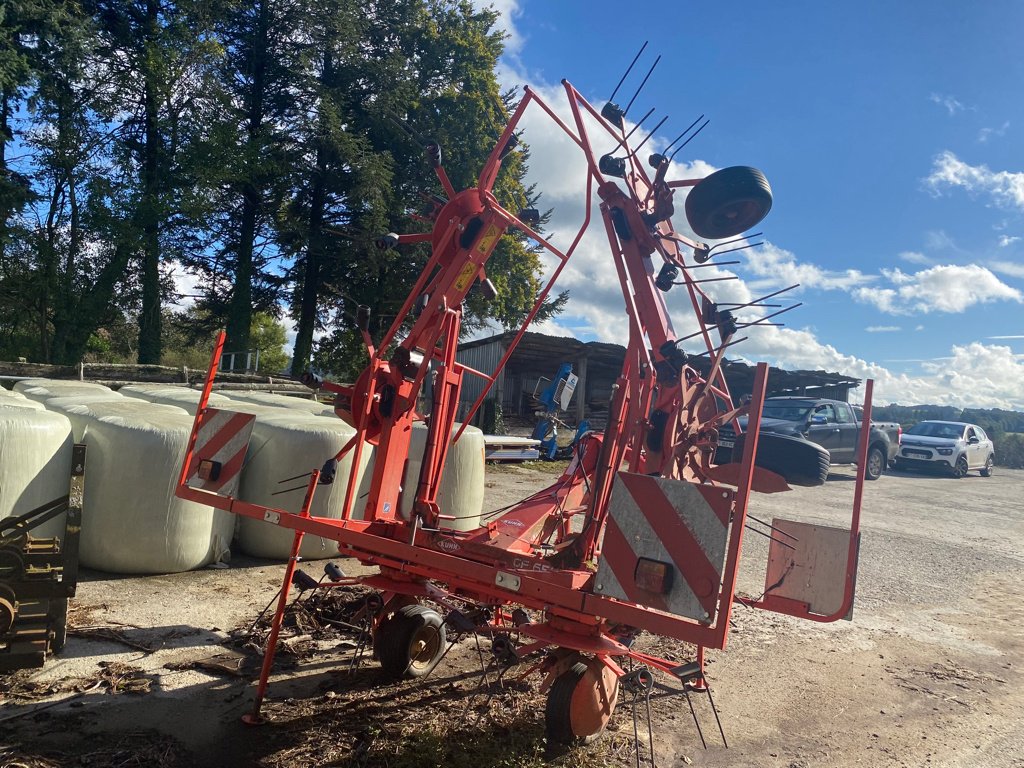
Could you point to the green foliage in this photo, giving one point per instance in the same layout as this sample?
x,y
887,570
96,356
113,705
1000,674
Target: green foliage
x,y
1010,451
492,417
268,336
253,142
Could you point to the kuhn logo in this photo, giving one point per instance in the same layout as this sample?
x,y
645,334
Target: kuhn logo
x,y
514,523
448,545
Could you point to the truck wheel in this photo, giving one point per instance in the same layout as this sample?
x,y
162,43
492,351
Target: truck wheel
x,y
728,202
986,471
875,463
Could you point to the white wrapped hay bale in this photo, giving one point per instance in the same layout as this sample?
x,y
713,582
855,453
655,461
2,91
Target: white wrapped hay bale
x,y
181,397
35,463
132,522
80,413
462,484
281,401
285,445
42,390
12,399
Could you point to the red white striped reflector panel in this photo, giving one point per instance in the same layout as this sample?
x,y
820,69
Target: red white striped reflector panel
x,y
683,525
219,454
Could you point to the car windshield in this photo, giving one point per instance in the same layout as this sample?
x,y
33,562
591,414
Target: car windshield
x,y
936,429
787,411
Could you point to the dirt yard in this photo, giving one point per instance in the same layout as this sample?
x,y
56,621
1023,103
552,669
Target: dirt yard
x,y
930,672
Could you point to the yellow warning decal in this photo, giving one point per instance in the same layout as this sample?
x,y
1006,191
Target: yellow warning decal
x,y
489,239
465,276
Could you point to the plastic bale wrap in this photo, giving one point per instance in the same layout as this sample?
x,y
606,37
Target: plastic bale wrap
x,y
12,399
80,413
35,463
282,401
131,520
181,397
43,389
284,446
461,494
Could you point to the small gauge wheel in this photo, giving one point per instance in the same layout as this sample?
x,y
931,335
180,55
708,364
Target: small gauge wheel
x,y
59,624
410,642
581,702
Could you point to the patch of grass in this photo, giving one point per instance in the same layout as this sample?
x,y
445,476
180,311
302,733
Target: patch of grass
x,y
516,467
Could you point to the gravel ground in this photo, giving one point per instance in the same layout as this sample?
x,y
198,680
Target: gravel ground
x,y
928,673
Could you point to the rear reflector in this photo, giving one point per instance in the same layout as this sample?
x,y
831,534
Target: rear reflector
x,y
653,575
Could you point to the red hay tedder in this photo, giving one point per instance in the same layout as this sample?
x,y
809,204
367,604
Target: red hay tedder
x,y
642,531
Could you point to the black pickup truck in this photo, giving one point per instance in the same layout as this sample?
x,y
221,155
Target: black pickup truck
x,y
808,425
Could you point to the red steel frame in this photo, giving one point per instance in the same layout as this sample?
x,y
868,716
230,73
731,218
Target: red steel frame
x,y
420,554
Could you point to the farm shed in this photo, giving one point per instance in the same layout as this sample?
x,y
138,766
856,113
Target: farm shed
x,y
598,364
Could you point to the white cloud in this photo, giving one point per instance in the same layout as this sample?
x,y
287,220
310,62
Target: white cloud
x,y
508,10
777,266
915,258
883,328
951,103
1006,240
1011,268
947,288
1006,188
186,284
987,133
1004,337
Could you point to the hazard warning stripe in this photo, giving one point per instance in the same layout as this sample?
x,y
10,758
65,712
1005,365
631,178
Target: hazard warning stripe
x,y
223,437
701,576
222,433
228,471
617,552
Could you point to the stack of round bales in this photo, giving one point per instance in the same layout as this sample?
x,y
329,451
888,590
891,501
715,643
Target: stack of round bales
x,y
461,494
181,397
42,390
81,412
281,401
35,462
12,399
131,520
288,444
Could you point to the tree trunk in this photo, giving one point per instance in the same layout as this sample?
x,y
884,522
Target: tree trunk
x,y
149,206
240,307
314,249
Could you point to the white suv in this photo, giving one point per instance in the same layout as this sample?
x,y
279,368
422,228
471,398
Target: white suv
x,y
953,446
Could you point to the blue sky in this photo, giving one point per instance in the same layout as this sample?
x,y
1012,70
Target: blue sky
x,y
891,135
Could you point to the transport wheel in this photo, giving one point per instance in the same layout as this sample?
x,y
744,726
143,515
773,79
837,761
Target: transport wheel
x,y
728,202
875,463
59,622
8,609
960,470
410,642
799,461
986,471
580,703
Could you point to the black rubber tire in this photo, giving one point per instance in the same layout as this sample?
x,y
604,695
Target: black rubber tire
x,y
986,471
558,720
728,202
875,463
798,461
59,618
961,468
410,642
